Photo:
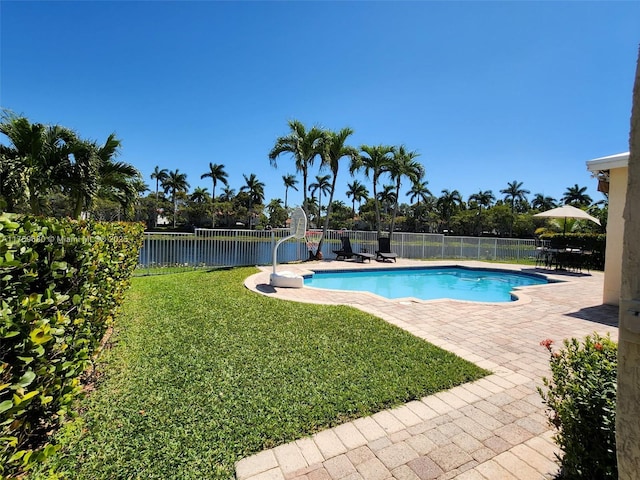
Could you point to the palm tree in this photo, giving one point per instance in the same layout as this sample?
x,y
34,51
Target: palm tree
x,y
321,185
159,175
199,195
38,152
359,192
227,194
312,205
175,183
576,196
447,204
303,145
79,174
387,197
217,174
483,199
420,191
403,164
255,189
542,203
95,173
334,149
290,181
514,193
120,182
375,162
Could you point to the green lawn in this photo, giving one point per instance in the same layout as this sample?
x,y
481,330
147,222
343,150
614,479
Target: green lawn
x,y
203,372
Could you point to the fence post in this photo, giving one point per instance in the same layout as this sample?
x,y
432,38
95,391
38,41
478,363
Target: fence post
x,y
273,241
235,248
147,241
495,249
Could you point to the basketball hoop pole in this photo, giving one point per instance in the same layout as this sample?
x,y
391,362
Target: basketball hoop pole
x,y
275,250
298,228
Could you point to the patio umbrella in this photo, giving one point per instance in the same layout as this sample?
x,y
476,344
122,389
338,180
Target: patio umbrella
x,y
567,211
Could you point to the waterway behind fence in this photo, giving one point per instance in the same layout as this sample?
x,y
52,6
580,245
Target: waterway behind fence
x,y
207,248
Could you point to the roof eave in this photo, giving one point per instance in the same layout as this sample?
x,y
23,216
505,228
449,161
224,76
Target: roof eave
x,y
619,160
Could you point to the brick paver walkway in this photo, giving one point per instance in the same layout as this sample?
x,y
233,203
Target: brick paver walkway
x,y
494,428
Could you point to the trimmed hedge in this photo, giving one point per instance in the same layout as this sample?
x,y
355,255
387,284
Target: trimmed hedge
x,y
589,241
595,242
61,282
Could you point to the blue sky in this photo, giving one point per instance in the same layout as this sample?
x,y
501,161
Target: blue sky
x,y
487,93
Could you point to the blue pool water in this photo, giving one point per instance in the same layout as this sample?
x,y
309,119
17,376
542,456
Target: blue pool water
x,y
478,285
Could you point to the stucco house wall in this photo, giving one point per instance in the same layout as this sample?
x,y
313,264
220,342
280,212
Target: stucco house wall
x,y
612,174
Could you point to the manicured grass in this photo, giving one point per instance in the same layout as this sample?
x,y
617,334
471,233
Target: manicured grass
x,y
203,372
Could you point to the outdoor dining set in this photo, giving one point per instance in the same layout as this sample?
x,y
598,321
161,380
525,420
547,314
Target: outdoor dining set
x,y
559,254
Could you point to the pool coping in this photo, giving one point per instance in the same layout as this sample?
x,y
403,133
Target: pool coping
x,y
518,293
260,281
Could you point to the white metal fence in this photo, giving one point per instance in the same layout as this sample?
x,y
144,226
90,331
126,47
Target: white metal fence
x,y
165,252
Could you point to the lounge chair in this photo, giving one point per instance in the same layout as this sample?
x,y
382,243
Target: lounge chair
x,y
347,251
384,252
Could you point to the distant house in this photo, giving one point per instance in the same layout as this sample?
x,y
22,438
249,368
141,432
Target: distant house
x,y
612,173
161,219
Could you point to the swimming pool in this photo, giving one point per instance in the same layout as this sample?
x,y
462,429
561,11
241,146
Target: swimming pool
x,y
429,283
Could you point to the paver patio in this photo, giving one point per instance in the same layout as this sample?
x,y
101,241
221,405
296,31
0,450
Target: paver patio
x,y
494,428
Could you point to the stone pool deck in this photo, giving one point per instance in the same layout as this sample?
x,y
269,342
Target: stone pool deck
x,y
494,428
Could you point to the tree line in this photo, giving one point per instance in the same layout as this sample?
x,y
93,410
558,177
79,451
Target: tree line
x,y
52,170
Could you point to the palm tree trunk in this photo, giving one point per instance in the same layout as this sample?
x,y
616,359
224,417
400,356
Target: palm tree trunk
x,y
395,210
34,201
377,205
325,227
213,199
155,217
304,193
513,218
175,209
628,392
77,209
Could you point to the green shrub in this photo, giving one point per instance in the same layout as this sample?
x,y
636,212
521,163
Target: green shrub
x,y
588,241
581,398
61,282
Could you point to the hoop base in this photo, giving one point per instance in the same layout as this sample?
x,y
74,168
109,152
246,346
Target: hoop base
x,y
286,279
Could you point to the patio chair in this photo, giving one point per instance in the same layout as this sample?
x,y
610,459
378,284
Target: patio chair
x,y
347,251
384,252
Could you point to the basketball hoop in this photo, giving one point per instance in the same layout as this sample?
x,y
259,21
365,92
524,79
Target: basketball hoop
x,y
297,230
313,238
